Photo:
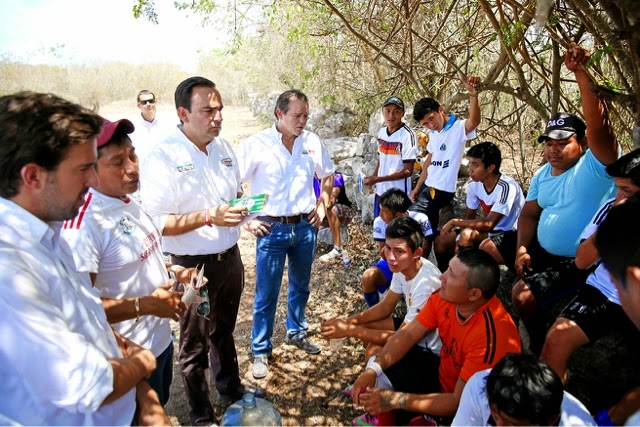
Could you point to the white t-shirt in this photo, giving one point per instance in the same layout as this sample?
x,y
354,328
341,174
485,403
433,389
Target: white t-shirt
x,y
55,334
600,278
118,241
394,151
416,293
380,227
148,134
506,199
474,406
286,177
177,178
446,148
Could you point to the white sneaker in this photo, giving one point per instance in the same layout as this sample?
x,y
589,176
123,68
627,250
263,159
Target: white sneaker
x,y
335,253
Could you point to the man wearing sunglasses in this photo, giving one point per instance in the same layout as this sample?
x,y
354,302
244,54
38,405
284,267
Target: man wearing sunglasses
x,y
150,127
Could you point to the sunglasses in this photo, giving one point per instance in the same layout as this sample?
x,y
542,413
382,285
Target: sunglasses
x,y
204,307
147,101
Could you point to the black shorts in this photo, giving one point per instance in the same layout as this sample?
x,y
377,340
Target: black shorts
x,y
560,280
596,315
506,242
416,372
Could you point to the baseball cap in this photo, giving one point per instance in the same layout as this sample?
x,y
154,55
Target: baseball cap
x,y
563,126
122,126
395,101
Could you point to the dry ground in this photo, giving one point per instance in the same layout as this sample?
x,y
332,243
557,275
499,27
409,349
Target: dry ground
x,y
306,389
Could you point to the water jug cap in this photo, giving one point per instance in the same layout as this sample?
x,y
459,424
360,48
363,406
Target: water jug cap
x,y
248,400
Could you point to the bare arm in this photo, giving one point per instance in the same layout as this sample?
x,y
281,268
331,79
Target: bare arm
x,y
356,326
137,365
395,349
527,228
601,139
587,253
474,106
405,172
222,216
438,404
150,410
317,215
481,224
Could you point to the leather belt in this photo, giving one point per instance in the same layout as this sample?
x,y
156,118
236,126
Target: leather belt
x,y
221,256
293,219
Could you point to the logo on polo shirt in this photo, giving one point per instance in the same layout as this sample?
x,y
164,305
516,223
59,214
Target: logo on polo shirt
x,y
227,162
443,147
126,225
186,168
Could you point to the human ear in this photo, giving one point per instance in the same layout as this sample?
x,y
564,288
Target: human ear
x,y
33,176
182,114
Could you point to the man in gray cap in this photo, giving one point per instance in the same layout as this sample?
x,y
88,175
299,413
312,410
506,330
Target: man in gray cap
x,y
397,151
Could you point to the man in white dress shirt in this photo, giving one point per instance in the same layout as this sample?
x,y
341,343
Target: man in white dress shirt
x,y
60,362
187,180
281,161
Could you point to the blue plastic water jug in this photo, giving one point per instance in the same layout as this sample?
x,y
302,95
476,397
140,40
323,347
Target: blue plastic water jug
x,y
251,411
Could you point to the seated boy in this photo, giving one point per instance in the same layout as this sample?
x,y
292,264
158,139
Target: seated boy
x,y
476,332
340,212
414,278
501,199
519,391
393,204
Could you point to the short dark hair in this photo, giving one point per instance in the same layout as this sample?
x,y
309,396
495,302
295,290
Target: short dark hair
x,y
488,153
39,128
184,90
525,388
627,166
282,103
145,92
617,241
423,107
395,200
483,271
407,229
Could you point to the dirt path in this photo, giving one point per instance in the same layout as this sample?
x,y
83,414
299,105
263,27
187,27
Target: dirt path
x,y
305,389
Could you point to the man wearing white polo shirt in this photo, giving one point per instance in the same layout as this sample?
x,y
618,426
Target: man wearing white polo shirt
x,y
281,161
187,179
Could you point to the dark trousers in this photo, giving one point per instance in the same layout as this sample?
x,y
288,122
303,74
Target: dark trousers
x,y
429,202
210,341
161,377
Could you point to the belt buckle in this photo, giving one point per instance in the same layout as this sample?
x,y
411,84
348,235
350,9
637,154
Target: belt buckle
x,y
220,256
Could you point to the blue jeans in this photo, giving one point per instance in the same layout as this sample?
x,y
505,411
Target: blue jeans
x,y
297,242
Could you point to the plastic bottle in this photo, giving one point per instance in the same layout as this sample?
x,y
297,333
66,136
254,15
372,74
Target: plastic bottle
x,y
251,411
345,258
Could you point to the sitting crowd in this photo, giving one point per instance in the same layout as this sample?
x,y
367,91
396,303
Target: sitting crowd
x,y
99,249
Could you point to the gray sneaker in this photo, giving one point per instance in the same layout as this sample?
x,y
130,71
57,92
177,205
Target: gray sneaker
x,y
260,367
304,344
